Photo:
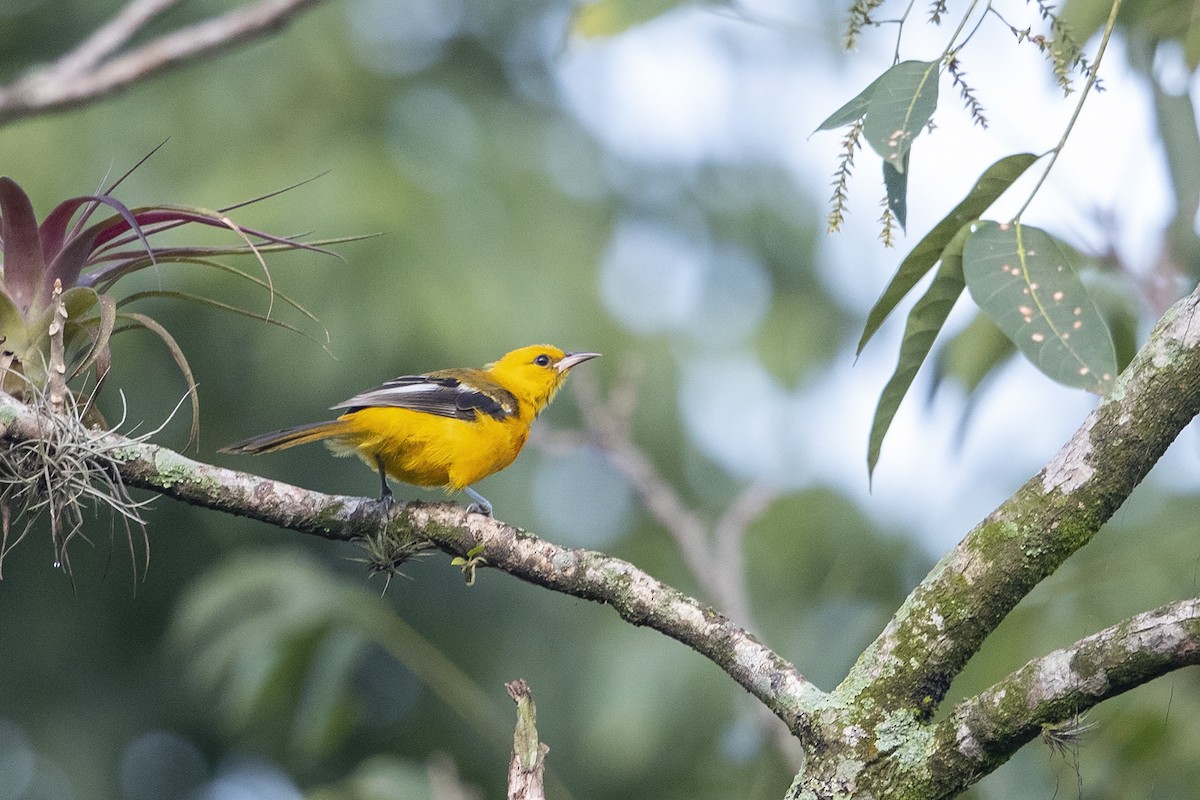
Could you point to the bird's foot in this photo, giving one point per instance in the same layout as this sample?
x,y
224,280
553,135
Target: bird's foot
x,y
481,504
386,498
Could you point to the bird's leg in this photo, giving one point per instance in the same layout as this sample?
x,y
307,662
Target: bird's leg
x,y
481,504
385,492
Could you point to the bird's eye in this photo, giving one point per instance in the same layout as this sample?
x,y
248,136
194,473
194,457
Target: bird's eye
x,y
542,361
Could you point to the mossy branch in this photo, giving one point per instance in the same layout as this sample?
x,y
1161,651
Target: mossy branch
x,y
986,729
877,737
393,533
971,590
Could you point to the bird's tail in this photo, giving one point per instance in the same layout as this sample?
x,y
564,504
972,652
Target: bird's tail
x,y
288,437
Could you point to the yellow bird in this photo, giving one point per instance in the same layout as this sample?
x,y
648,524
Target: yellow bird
x,y
449,428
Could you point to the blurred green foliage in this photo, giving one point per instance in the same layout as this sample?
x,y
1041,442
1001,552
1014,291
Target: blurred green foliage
x,y
496,209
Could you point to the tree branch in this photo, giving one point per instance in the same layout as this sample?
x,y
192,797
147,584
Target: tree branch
x,y
96,69
985,730
876,739
636,596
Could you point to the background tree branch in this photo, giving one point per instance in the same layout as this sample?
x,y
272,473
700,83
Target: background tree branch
x,y
712,552
98,68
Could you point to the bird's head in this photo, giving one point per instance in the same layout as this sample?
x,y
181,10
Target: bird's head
x,y
535,373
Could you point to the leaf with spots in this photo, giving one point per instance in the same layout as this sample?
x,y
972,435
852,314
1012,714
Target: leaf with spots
x,y
1026,282
925,322
903,101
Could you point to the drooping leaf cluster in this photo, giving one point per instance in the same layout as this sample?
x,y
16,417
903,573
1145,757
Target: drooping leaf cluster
x,y
1025,282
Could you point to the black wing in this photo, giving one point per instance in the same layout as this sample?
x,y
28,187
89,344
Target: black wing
x,y
441,395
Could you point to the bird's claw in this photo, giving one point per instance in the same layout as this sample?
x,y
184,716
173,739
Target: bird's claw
x,y
476,508
481,504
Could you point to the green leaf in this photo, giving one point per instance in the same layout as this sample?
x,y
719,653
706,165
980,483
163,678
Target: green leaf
x,y
902,103
272,635
896,183
969,358
320,718
853,110
1176,115
601,18
991,184
972,354
1026,282
1117,298
925,322
14,331
79,300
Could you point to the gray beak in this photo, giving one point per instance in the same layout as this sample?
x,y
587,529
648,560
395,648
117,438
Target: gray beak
x,y
571,359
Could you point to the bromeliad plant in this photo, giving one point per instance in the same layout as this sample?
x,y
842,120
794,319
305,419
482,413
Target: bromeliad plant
x,y
59,309
87,259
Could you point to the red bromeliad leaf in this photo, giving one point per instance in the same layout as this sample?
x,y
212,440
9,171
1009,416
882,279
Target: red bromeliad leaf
x,y
80,246
24,266
54,229
87,255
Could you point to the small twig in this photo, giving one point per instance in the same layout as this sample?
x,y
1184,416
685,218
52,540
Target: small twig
x,y
96,68
609,431
712,552
728,535
528,760
1087,87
